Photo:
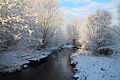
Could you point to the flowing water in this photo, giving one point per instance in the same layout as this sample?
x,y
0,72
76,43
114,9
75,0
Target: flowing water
x,y
57,67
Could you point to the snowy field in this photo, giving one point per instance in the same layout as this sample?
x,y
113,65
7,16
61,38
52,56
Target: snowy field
x,y
91,67
16,59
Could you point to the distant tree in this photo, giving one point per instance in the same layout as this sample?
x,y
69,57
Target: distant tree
x,y
97,35
73,28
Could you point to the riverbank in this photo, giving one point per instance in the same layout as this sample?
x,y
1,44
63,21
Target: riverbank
x,y
15,60
89,67
56,67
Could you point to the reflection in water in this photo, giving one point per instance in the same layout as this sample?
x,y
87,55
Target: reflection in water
x,y
57,68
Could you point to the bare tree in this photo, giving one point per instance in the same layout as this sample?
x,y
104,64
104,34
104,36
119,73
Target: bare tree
x,y
73,28
49,19
98,35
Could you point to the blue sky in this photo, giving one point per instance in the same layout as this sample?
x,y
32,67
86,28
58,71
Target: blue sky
x,y
82,8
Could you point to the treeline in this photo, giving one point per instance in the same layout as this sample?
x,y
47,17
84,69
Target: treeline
x,y
38,24
98,34
29,24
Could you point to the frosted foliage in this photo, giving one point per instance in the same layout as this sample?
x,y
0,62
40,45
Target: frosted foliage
x,y
32,22
9,18
97,35
15,21
49,19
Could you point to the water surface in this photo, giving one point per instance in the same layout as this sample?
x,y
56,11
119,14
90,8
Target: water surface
x,y
56,68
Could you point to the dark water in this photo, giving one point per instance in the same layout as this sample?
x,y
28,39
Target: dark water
x,y
56,68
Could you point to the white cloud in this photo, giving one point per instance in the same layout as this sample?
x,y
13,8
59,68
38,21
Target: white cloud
x,y
87,8
74,1
80,12
83,11
71,13
109,5
68,12
115,15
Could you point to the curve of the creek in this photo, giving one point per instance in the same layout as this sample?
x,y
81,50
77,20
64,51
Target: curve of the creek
x,y
57,67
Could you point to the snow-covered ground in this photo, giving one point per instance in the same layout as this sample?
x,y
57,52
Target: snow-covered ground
x,y
91,67
16,59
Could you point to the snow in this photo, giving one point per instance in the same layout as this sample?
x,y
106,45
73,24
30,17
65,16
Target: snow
x,y
14,60
67,46
52,48
91,67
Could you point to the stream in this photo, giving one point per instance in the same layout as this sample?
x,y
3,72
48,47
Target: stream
x,y
57,67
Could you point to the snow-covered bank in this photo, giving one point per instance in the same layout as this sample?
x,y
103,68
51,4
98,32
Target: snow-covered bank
x,y
14,60
67,46
60,47
95,67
